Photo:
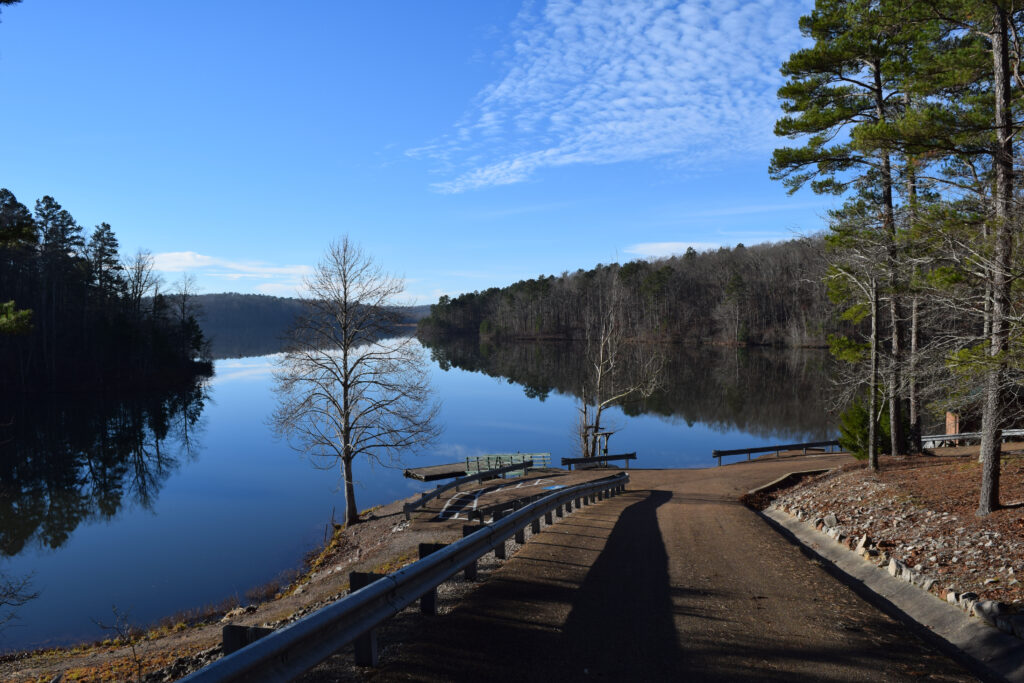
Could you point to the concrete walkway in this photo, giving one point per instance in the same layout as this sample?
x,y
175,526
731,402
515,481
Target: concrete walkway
x,y
675,580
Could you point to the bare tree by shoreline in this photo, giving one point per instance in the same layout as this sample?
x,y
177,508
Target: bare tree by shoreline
x,y
344,388
616,369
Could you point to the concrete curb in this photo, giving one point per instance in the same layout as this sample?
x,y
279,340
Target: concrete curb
x,y
985,650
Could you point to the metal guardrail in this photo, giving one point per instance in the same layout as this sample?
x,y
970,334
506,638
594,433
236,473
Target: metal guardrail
x,y
966,436
456,483
598,458
777,449
298,647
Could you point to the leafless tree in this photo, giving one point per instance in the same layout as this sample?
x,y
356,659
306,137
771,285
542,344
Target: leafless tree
x,y
616,369
346,386
140,278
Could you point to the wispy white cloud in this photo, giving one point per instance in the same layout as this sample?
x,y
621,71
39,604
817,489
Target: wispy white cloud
x,y
663,249
262,277
182,261
608,81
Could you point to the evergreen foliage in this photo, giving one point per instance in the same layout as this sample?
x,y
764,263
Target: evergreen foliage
x,y
69,315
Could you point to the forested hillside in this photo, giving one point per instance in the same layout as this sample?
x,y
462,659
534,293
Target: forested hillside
x,y
254,324
75,315
764,294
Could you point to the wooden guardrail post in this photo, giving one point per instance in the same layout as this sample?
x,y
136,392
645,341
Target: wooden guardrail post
x,y
548,518
428,603
535,526
365,646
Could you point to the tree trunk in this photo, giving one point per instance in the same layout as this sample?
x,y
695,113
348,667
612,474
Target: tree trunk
x,y
915,399
873,383
351,511
992,409
889,226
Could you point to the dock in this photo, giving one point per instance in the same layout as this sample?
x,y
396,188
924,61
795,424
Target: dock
x,y
435,472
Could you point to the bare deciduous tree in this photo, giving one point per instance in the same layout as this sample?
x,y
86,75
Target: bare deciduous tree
x,y
140,279
616,368
346,386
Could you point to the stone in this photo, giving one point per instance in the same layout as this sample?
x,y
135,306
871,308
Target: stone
x,y
988,610
895,567
952,597
926,584
831,520
863,544
819,524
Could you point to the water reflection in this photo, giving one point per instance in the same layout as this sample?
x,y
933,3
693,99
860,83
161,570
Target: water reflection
x,y
759,391
67,460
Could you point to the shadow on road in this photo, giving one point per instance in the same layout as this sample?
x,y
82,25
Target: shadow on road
x,y
621,622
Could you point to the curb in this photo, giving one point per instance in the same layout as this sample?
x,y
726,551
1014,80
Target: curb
x,y
984,645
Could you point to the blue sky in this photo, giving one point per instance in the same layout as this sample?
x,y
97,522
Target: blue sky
x,y
463,144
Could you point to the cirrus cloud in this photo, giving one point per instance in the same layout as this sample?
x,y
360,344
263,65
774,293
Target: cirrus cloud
x,y
607,81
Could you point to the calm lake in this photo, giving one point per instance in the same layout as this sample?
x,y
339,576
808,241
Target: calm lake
x,y
166,503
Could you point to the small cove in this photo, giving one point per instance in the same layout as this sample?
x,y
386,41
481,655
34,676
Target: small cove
x,y
218,507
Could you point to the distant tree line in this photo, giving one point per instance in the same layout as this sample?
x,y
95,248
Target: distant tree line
x,y
75,315
239,325
768,294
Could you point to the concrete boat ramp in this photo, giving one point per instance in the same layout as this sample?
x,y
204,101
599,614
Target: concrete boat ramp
x,y
480,501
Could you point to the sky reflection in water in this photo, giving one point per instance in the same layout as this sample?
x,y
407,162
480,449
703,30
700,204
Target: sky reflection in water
x,y
245,508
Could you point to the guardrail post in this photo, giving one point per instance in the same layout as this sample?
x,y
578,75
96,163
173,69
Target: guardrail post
x,y
560,510
468,529
521,536
535,526
428,602
234,637
365,646
548,519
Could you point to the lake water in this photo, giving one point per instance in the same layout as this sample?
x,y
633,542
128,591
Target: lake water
x,y
184,500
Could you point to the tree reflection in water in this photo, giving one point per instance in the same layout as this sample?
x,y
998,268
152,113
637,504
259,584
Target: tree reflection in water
x,y
65,459
761,391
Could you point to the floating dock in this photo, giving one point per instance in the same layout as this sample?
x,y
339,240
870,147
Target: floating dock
x,y
435,472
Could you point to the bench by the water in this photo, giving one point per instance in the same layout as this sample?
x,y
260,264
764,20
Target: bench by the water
x,y
820,446
602,459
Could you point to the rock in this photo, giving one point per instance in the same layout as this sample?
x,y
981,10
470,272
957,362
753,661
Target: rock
x,y
926,584
952,597
863,543
989,582
895,567
818,524
831,520
988,610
